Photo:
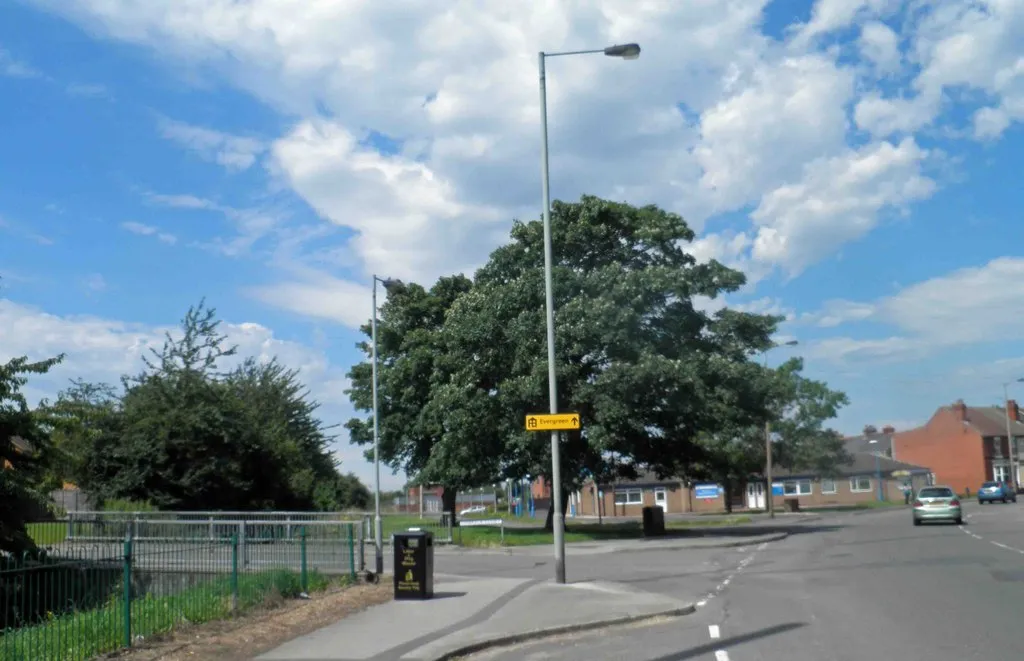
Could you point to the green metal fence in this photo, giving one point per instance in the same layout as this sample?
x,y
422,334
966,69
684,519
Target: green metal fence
x,y
77,599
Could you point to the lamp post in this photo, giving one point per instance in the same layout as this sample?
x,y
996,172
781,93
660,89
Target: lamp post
x,y
878,471
626,52
769,498
1011,441
378,536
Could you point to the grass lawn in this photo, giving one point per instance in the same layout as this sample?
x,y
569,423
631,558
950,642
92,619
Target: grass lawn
x,y
48,533
583,532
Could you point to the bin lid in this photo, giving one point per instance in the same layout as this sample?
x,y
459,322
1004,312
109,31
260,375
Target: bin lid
x,y
414,532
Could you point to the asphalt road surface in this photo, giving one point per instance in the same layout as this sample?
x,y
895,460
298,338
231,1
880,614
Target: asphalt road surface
x,y
871,587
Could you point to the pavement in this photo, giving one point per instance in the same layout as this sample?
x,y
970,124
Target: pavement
x,y
485,597
870,586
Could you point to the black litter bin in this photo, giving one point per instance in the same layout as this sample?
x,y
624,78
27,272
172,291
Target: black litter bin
x,y
414,564
654,521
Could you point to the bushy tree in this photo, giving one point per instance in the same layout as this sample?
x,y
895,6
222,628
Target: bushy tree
x,y
26,454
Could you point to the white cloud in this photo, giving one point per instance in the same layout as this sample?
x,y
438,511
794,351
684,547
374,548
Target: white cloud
x,y
965,307
95,282
88,90
322,297
14,68
101,350
880,45
839,199
233,152
148,230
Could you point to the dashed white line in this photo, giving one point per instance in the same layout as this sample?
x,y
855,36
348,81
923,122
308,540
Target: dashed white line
x,y
728,579
714,631
721,655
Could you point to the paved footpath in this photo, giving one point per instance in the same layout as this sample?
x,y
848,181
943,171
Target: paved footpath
x,y
875,587
481,597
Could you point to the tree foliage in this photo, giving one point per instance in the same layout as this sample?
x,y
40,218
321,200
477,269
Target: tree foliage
x,y
638,357
186,434
413,367
25,454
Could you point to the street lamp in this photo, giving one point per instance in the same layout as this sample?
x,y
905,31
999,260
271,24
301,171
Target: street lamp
x,y
770,496
378,536
1011,440
626,52
878,470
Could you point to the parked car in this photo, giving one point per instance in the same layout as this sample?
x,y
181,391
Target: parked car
x,y
937,504
990,492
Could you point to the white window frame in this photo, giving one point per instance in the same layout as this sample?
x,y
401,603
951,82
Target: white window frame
x,y
625,496
828,491
855,480
660,496
796,488
1000,472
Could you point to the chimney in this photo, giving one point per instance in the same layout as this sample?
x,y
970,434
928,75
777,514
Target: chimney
x,y
1012,410
960,409
888,429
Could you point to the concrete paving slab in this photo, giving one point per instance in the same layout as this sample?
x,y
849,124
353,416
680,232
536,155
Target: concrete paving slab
x,y
397,624
549,608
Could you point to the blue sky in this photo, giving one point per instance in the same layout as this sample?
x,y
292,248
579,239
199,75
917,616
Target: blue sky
x,y
858,159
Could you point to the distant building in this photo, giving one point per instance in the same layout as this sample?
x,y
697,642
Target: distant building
x,y
965,445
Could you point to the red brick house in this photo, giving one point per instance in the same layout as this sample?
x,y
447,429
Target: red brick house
x,y
964,445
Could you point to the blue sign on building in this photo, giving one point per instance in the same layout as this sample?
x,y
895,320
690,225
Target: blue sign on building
x,y
777,489
709,491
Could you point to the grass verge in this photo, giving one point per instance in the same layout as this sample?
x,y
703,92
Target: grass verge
x,y
586,532
79,636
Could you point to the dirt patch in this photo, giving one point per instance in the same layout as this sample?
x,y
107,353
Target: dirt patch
x,y
246,637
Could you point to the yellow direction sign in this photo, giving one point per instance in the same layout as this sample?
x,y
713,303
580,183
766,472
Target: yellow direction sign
x,y
552,421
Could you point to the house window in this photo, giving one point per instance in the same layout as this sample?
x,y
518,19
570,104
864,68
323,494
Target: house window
x,y
828,485
797,488
660,497
860,484
1001,473
629,497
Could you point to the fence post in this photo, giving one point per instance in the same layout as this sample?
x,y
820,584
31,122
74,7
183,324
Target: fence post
x,y
351,551
362,548
71,525
241,543
127,615
234,574
303,576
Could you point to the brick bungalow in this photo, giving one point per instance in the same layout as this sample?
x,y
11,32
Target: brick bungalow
x,y
964,445
854,483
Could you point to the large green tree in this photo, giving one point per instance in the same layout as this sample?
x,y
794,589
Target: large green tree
x,y
638,357
798,410
413,366
187,435
26,454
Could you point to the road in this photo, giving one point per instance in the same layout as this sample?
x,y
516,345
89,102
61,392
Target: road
x,y
867,586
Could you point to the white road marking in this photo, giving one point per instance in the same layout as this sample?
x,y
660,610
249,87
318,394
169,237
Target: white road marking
x,y
714,631
993,542
728,579
721,655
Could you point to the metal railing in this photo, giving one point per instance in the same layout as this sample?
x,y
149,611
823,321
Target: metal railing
x,y
115,525
78,599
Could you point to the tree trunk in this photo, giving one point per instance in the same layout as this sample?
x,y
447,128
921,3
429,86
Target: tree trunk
x,y
727,485
448,496
549,521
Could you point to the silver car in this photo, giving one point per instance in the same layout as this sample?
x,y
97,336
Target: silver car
x,y
937,504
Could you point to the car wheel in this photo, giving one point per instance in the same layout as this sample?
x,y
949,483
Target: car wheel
x,y
1004,501
917,522
959,521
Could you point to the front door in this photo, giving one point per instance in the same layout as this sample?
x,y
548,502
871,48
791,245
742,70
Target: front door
x,y
755,496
